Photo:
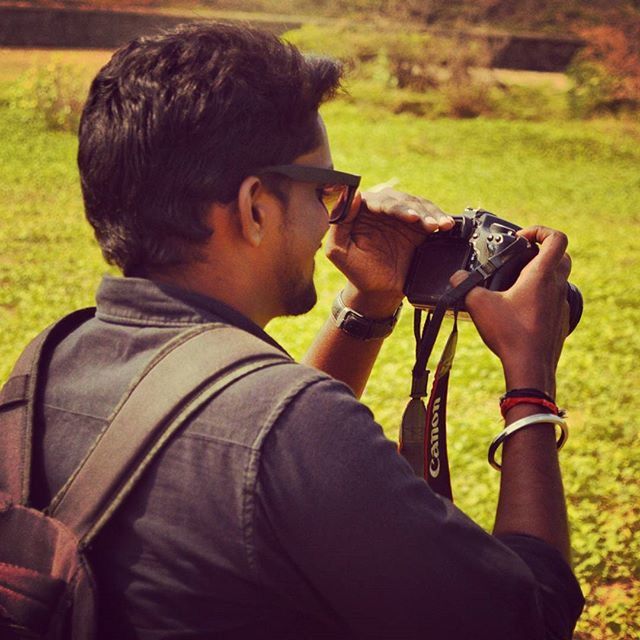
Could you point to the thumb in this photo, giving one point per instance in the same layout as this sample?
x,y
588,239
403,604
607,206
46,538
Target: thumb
x,y
339,236
475,296
458,277
354,210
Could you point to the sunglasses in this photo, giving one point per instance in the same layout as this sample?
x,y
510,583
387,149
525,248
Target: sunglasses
x,y
336,189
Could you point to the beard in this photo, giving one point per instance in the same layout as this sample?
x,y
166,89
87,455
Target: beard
x,y
297,292
297,289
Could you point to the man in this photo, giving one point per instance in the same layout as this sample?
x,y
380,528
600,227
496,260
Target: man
x,y
280,510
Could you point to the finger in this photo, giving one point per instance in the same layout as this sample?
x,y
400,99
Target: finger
x,y
407,212
553,245
389,184
433,220
539,233
408,209
382,201
565,266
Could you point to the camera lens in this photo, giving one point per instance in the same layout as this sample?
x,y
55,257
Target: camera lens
x,y
574,298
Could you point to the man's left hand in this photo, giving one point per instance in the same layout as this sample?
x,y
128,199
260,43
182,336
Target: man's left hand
x,y
374,245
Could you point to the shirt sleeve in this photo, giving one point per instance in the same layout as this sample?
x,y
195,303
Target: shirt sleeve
x,y
379,550
561,599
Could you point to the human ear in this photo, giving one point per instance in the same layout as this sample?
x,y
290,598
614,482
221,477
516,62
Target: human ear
x,y
251,210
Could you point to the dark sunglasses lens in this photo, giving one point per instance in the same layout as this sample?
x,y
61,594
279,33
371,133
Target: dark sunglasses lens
x,y
336,198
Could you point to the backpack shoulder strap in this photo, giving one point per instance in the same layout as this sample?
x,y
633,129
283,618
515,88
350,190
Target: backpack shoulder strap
x,y
186,374
17,399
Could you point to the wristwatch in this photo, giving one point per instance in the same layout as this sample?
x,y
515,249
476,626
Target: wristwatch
x,y
358,326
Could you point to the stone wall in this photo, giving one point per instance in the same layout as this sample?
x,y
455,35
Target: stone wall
x,y
535,53
89,29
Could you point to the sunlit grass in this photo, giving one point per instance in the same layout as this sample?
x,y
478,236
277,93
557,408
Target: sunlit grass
x,y
581,177
14,62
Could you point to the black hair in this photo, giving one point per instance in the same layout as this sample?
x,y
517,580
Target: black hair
x,y
174,122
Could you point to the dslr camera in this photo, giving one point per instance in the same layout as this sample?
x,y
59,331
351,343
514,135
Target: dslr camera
x,y
476,237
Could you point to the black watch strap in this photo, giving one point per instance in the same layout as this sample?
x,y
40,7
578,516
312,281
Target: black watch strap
x,y
358,326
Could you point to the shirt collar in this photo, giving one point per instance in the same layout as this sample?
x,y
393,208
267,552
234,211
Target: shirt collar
x,y
143,302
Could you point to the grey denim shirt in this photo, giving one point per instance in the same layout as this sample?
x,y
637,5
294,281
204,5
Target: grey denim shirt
x,y
281,510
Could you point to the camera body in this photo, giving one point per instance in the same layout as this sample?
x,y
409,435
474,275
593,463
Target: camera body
x,y
476,236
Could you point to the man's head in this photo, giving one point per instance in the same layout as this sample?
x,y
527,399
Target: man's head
x,y
176,122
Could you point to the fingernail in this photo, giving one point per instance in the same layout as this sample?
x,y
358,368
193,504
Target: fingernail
x,y
413,212
430,220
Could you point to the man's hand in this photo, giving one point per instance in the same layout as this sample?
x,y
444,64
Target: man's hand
x,y
373,247
526,325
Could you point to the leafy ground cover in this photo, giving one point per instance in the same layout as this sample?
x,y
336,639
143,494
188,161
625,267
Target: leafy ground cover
x,y
582,177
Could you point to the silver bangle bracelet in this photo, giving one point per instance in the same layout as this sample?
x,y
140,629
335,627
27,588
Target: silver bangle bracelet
x,y
538,418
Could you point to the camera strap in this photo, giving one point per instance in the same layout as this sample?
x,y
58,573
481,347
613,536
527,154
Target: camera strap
x,y
423,433
436,459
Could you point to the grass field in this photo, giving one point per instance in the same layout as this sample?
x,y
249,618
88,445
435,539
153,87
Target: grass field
x,y
582,177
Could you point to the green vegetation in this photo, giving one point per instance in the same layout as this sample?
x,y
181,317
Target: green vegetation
x,y
52,94
579,176
430,75
514,15
398,70
448,73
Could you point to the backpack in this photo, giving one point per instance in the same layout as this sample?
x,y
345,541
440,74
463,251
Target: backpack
x,y
46,586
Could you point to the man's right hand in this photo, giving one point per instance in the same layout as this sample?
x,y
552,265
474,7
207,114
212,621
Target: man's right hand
x,y
526,325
